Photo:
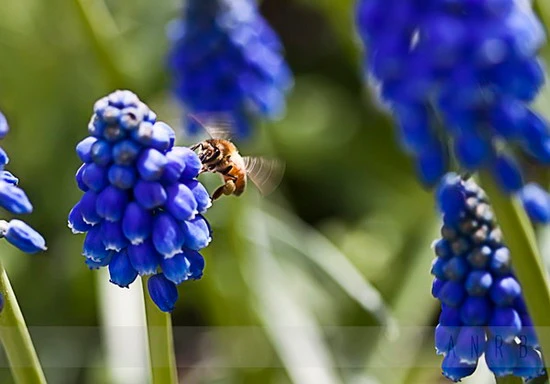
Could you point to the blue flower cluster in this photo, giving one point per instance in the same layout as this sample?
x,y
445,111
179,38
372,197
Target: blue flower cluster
x,y
468,66
142,205
14,200
482,307
226,58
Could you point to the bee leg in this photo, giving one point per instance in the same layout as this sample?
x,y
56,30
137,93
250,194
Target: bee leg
x,y
227,189
194,147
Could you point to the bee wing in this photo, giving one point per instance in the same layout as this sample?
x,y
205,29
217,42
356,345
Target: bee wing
x,y
217,125
266,174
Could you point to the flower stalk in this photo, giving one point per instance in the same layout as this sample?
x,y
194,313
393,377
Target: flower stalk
x,y
15,338
161,341
528,266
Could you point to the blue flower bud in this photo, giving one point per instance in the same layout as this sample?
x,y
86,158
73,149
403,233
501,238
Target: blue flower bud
x,y
93,247
507,173
79,182
111,203
113,238
501,261
505,291
437,269
4,128
196,232
110,114
101,152
92,264
475,311
413,122
144,257
113,133
508,117
13,199
149,194
181,202
437,284
76,221
536,202
479,257
146,134
501,357
161,137
431,165
528,335
192,162
442,249
84,149
150,164
9,178
96,127
202,197
450,316
122,176
505,323
478,283
456,268
176,268
151,117
529,364
4,159
452,293
455,369
88,208
163,292
164,130
472,150
95,177
196,264
131,117
22,236
176,164
121,271
168,237
137,223
445,338
126,152
470,344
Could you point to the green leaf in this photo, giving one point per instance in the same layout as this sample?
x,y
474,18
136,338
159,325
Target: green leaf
x,y
291,327
312,244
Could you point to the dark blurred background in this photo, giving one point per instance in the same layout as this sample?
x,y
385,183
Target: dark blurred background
x,y
326,281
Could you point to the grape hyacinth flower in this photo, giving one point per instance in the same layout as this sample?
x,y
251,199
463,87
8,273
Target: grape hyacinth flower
x,y
142,205
482,307
226,58
465,71
14,200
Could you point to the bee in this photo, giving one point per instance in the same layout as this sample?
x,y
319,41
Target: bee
x,y
219,155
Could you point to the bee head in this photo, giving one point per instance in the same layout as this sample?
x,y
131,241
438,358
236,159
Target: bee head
x,y
207,151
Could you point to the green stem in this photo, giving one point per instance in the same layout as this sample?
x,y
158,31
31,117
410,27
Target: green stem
x,y
161,341
520,239
95,18
509,380
15,337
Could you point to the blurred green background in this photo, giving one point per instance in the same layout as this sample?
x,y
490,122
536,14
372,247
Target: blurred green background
x,y
326,281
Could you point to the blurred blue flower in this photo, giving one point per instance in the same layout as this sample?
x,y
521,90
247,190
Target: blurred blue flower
x,y
460,70
226,58
140,198
14,200
482,307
